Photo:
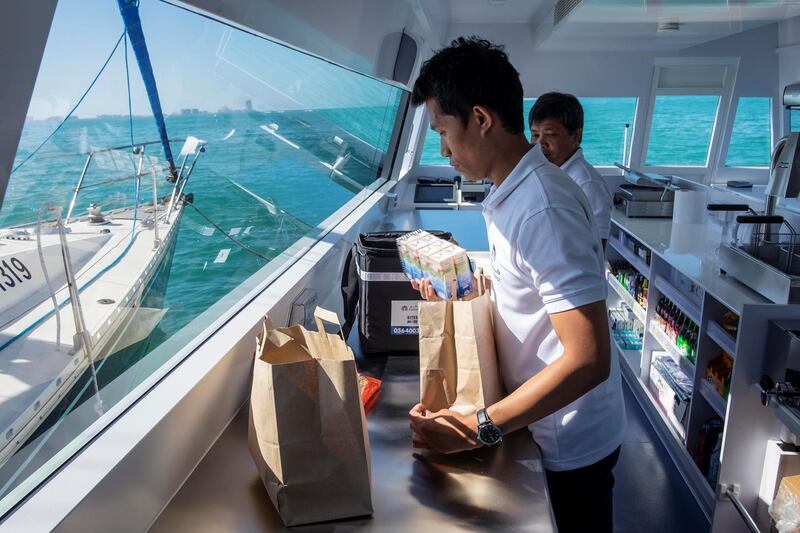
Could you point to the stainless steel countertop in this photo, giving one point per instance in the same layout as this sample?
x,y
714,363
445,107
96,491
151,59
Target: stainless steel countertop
x,y
502,488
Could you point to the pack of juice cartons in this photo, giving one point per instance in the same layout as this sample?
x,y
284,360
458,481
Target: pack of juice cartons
x,y
425,256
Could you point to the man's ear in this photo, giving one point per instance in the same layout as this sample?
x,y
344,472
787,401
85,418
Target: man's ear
x,y
483,118
578,136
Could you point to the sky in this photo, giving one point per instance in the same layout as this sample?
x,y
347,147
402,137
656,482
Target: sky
x,y
198,63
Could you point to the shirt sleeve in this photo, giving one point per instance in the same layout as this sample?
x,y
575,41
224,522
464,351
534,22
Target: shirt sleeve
x,y
561,251
600,202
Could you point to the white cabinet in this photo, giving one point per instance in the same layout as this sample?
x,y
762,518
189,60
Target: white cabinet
x,y
696,287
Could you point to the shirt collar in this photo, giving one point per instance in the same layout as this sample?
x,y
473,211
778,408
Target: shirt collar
x,y
577,155
533,159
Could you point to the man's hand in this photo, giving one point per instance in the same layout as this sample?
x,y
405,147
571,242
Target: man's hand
x,y
425,289
444,431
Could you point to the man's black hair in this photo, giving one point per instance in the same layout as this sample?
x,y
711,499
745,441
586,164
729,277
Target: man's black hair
x,y
562,107
469,72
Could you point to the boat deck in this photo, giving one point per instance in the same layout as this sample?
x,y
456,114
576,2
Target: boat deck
x,y
29,391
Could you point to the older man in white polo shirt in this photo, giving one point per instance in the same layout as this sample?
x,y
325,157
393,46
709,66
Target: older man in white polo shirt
x,y
548,286
556,121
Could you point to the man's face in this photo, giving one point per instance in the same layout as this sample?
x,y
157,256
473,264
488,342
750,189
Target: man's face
x,y
462,145
557,143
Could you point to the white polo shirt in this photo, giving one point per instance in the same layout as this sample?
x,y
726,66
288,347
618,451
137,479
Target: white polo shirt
x,y
546,258
594,187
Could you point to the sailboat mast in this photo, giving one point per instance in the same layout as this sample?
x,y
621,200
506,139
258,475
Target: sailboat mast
x,y
133,25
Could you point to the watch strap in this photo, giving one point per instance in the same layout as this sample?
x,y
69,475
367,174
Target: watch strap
x,y
483,417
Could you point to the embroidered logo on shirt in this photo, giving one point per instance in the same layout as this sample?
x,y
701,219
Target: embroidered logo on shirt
x,y
495,269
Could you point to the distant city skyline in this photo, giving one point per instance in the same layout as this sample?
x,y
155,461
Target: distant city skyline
x,y
198,64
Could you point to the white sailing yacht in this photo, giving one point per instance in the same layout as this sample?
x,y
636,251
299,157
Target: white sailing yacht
x,y
74,290
679,96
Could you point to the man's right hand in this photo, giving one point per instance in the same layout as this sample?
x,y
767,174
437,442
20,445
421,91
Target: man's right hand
x,y
425,289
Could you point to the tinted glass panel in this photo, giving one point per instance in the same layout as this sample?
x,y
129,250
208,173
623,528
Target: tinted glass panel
x,y
681,129
750,143
603,131
285,145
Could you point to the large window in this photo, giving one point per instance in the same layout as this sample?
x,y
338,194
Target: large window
x,y
432,150
604,129
290,141
794,120
750,142
603,132
680,131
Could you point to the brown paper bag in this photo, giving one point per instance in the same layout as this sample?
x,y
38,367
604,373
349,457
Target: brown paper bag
x,y
437,355
458,361
307,432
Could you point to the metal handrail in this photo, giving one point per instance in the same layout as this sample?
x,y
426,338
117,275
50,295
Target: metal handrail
x,y
730,492
146,143
138,149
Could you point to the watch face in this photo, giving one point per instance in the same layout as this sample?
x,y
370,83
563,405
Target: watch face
x,y
490,434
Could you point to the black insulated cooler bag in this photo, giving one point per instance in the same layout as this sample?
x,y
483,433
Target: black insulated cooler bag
x,y
375,289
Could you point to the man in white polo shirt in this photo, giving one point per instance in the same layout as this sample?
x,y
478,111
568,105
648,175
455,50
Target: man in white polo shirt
x,y
556,121
548,289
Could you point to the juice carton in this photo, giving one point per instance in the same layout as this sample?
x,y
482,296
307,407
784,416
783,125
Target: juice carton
x,y
406,249
409,254
425,253
463,271
414,248
443,272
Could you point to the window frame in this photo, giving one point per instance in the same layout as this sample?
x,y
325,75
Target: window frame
x,y
95,448
726,170
721,130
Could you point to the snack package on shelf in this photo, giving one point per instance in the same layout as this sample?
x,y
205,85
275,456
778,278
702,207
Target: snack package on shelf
x,y
625,328
672,388
730,323
678,381
718,374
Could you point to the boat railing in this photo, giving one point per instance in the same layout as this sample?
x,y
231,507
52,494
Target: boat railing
x,y
192,148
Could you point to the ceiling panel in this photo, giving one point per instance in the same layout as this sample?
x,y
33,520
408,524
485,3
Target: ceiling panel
x,y
494,11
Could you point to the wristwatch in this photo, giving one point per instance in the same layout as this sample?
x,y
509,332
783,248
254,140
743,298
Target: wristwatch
x,y
488,433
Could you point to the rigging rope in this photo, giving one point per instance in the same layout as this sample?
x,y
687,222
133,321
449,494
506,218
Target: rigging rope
x,y
225,233
128,82
74,108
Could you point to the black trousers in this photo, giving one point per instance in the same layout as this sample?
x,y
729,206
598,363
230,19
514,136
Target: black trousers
x,y
583,498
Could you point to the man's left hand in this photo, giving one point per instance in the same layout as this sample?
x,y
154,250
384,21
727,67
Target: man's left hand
x,y
444,431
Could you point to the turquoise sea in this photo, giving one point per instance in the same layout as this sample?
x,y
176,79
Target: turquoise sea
x,y
681,131
293,179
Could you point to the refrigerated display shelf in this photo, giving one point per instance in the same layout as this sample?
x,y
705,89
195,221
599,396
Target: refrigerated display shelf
x,y
723,339
678,298
717,402
637,262
669,347
627,297
671,438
